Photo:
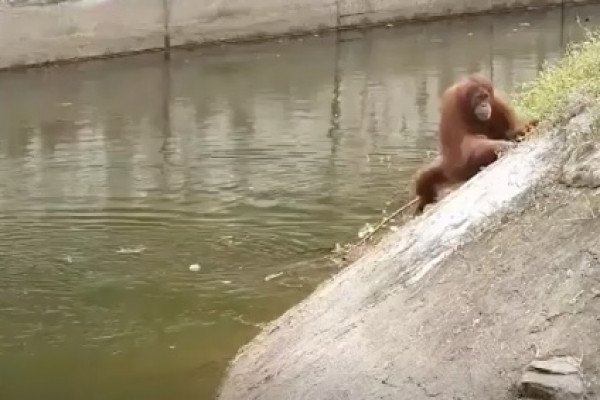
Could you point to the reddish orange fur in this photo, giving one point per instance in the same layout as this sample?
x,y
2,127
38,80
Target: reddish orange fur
x,y
467,144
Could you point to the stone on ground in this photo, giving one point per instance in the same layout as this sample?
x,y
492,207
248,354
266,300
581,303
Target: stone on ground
x,y
558,378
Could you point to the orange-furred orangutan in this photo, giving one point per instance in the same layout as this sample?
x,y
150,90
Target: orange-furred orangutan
x,y
475,125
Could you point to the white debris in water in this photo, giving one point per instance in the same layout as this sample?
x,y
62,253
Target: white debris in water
x,y
291,285
338,248
389,25
132,250
243,321
172,347
273,276
66,104
365,230
195,267
226,282
68,259
228,240
524,24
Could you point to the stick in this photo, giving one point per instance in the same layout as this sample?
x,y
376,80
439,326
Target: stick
x,y
388,219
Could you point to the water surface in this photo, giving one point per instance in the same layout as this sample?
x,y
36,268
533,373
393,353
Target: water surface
x,y
252,161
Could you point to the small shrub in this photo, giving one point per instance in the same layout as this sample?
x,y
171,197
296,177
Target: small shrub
x,y
579,69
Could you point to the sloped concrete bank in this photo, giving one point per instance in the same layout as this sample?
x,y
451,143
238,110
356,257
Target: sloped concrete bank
x,y
455,303
34,34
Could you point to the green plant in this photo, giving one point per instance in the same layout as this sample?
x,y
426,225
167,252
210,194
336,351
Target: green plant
x,y
578,69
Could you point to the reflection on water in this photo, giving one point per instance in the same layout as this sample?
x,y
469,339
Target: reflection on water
x,y
252,161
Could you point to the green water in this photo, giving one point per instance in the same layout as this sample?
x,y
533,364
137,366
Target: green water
x,y
252,161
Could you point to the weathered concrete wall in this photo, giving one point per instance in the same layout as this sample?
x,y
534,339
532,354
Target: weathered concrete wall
x,y
39,34
357,11
231,19
34,34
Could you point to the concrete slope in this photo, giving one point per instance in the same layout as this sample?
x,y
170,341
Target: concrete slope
x,y
352,334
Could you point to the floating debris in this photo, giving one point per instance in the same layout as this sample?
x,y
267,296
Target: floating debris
x,y
291,285
243,321
470,34
131,250
524,24
366,230
389,25
228,240
338,248
68,259
226,282
195,267
273,276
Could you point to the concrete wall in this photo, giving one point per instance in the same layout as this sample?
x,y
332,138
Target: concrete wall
x,y
38,34
34,34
